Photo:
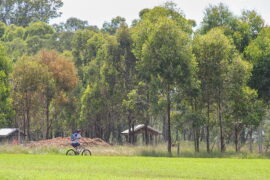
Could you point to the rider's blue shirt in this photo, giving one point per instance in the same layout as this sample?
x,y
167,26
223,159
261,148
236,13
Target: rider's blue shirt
x,y
77,137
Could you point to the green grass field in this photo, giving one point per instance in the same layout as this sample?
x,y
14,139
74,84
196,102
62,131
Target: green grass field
x,y
18,166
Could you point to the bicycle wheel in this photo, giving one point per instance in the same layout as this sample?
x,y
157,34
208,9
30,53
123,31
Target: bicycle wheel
x,y
71,152
86,152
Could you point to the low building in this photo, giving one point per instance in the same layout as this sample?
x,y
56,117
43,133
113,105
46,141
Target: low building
x,y
140,129
11,135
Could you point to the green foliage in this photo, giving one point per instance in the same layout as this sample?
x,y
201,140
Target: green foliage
x,y
39,29
245,108
5,101
16,48
258,53
24,12
241,29
259,48
260,78
2,29
145,73
213,52
111,27
254,20
74,24
217,16
80,50
166,53
12,32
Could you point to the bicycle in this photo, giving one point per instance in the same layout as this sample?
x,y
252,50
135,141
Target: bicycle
x,y
82,151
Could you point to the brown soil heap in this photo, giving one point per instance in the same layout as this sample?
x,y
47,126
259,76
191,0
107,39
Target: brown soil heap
x,y
63,142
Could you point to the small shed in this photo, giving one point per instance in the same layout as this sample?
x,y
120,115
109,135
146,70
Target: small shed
x,y
152,134
11,135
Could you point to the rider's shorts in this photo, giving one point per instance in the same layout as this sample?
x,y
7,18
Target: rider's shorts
x,y
76,144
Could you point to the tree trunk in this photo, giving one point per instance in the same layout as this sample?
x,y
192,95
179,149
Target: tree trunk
x,y
28,123
48,124
250,141
129,127
260,140
147,119
133,134
28,116
207,128
146,134
107,132
236,138
169,120
164,129
24,123
198,139
222,144
195,140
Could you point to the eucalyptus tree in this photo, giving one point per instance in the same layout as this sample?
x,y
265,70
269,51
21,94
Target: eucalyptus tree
x,y
242,29
24,12
258,53
217,16
37,36
64,80
111,27
103,86
29,79
163,49
214,52
245,110
248,26
80,51
74,24
5,101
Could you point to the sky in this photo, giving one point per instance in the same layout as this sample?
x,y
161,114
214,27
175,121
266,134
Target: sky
x,y
96,12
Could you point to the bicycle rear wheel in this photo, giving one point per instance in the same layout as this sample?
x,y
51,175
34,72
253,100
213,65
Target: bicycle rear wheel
x,y
86,152
71,152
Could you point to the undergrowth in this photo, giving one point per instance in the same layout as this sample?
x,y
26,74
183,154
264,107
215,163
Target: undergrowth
x,y
186,150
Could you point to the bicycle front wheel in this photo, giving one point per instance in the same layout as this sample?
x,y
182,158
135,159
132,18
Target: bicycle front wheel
x,y
86,152
71,152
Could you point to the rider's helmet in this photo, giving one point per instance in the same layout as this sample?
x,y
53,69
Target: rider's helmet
x,y
78,131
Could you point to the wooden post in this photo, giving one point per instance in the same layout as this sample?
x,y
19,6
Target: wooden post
x,y
178,148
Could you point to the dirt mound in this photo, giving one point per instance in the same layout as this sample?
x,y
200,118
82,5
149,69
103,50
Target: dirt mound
x,y
63,142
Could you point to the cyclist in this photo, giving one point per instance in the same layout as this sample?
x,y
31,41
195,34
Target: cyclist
x,y
75,139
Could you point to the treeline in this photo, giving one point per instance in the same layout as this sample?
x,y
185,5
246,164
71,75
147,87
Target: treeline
x,y
207,83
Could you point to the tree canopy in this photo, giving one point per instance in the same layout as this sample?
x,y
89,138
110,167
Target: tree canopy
x,y
208,84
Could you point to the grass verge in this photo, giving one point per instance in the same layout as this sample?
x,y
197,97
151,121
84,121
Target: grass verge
x,y
147,151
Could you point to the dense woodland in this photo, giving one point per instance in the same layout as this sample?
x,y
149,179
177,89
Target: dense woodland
x,y
207,82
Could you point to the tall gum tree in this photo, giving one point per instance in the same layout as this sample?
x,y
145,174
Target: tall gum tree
x,y
166,56
214,52
245,110
29,79
5,102
242,29
24,12
64,79
258,53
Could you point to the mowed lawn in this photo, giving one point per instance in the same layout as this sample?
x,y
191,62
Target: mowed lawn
x,y
133,168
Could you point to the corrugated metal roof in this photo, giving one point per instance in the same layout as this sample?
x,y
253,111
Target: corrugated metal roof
x,y
140,126
7,131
